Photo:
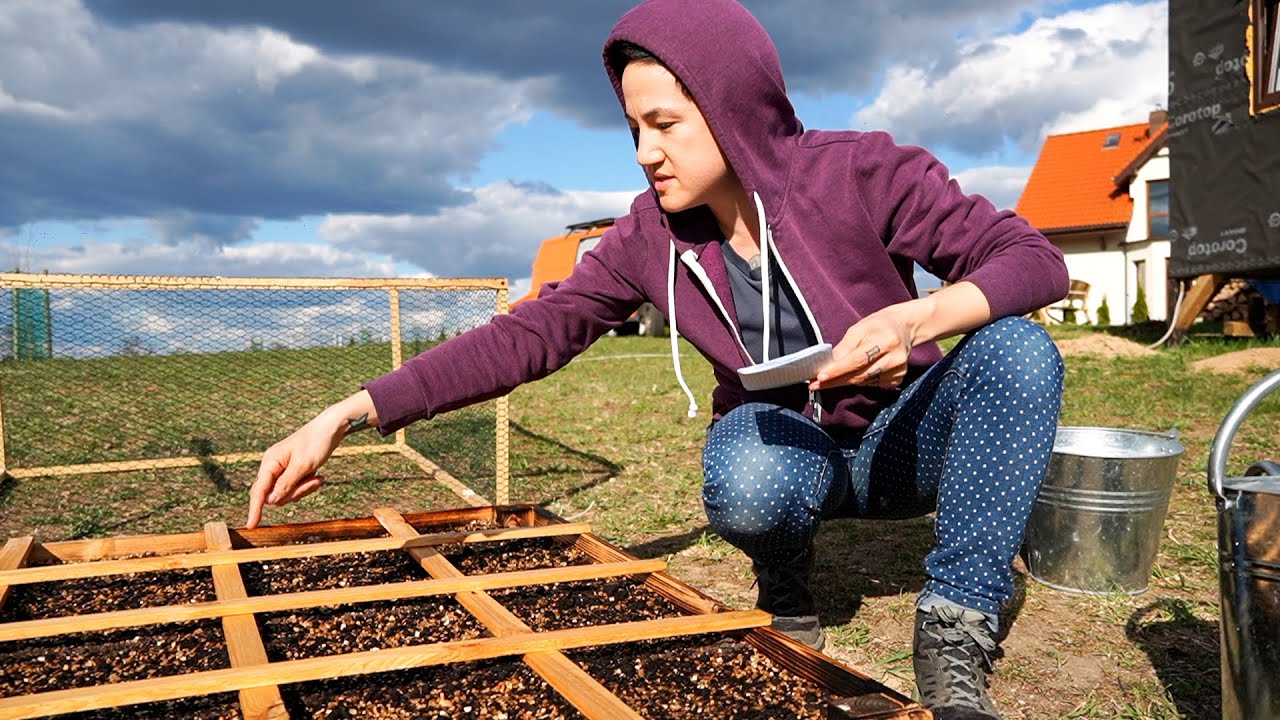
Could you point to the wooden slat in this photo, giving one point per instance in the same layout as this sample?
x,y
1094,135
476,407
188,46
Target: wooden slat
x,y
683,596
397,353
4,454
580,689
816,667
502,432
437,473
49,627
374,661
244,643
166,282
13,556
177,462
686,597
584,692
102,548
1193,303
282,552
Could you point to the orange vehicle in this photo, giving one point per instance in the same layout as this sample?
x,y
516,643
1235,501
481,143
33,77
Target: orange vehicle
x,y
558,255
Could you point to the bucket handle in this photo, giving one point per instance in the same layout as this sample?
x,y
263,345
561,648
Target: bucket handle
x,y
1227,432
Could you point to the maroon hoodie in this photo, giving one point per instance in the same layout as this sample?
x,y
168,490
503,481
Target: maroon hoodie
x,y
850,213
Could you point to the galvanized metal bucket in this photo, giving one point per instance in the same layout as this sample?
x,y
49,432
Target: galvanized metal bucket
x,y
1248,571
1097,521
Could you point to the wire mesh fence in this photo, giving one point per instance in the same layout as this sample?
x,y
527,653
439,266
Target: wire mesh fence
x,y
116,374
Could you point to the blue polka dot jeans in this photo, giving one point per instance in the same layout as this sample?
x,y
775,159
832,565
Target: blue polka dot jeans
x,y
970,439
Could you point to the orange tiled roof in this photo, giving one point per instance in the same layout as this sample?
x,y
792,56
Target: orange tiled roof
x,y
1074,185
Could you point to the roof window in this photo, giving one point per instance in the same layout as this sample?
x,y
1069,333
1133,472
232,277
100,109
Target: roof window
x,y
1113,140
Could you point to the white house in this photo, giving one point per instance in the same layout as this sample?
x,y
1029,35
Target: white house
x,y
1102,197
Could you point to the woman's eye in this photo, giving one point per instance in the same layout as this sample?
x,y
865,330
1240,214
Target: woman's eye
x,y
665,125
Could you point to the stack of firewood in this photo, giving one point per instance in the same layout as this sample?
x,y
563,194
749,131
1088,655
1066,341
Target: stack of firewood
x,y
1240,308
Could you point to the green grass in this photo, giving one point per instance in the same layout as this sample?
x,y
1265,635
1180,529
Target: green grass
x,y
608,435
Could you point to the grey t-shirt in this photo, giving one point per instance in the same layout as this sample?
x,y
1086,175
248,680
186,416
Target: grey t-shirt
x,y
789,330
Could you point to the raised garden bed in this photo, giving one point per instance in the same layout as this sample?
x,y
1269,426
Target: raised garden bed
x,y
501,613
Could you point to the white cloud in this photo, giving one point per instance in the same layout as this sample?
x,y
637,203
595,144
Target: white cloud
x,y
1106,112
1000,184
276,56
137,257
1097,67
496,234
9,103
155,322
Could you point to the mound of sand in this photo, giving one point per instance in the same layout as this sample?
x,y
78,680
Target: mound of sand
x,y
1102,344
1241,361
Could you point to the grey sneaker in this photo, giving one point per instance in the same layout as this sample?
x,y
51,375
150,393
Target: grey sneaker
x,y
784,593
953,648
804,629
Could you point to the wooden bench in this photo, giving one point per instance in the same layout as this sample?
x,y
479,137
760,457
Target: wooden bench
x,y
1076,301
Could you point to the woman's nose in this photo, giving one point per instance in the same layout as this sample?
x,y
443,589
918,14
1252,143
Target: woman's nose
x,y
647,152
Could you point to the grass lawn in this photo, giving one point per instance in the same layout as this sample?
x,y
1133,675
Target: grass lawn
x,y
607,438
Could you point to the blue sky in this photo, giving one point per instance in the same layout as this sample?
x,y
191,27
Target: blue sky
x,y
331,138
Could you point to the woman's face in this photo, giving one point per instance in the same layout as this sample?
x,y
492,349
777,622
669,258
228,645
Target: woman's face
x,y
675,147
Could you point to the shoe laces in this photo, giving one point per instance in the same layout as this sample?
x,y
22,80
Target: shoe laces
x,y
958,635
784,589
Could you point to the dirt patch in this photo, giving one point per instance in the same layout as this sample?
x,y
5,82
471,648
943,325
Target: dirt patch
x,y
558,606
97,658
1103,345
1241,361
503,688
702,677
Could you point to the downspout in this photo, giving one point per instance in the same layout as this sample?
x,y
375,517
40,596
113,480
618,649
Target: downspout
x,y
1124,254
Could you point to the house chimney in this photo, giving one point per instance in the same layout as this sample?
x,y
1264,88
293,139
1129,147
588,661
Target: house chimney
x,y
1159,117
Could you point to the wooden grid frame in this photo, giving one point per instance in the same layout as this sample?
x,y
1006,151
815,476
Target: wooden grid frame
x,y
257,680
392,287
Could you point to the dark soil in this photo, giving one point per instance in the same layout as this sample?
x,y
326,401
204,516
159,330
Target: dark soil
x,y
431,528
273,577
510,555
83,596
502,689
702,677
84,659
585,603
367,626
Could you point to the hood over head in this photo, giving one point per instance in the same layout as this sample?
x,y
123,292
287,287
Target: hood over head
x,y
730,66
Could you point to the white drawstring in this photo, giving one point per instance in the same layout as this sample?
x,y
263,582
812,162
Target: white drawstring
x,y
675,334
764,269
808,313
766,249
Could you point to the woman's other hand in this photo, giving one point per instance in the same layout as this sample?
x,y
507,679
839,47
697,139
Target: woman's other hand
x,y
874,351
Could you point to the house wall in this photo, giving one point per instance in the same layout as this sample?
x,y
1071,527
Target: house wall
x,y
1151,254
1115,262
1098,259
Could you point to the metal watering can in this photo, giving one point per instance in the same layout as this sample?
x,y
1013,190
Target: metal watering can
x,y
1248,570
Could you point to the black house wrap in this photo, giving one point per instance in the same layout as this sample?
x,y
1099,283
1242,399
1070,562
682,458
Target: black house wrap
x,y
1224,150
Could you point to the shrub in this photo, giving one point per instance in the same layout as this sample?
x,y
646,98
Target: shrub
x,y
1141,313
1104,313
